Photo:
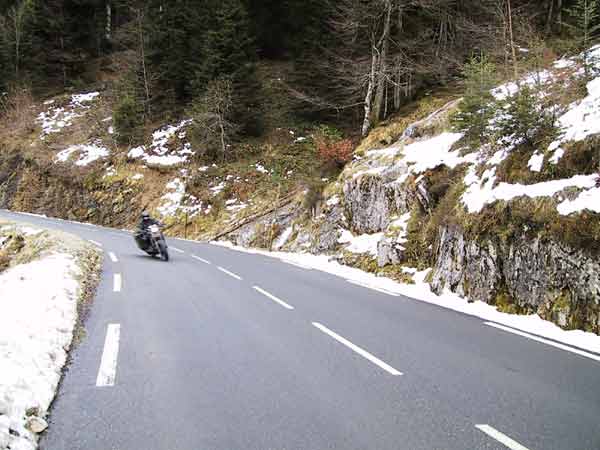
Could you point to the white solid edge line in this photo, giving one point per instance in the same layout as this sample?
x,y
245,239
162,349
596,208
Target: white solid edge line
x,y
272,297
113,257
545,341
297,265
201,259
96,243
357,349
117,282
231,274
177,249
108,364
383,291
500,437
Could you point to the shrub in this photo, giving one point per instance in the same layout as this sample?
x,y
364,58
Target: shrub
x,y
527,120
332,148
17,108
213,129
478,106
128,119
335,153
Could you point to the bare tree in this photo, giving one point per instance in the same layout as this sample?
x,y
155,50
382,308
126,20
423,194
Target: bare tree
x,y
213,129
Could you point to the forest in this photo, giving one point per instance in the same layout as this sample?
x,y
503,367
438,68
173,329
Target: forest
x,y
352,62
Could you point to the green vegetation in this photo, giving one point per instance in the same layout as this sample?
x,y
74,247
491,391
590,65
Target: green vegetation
x,y
128,119
478,106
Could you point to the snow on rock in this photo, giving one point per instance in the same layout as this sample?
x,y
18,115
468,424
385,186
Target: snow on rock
x,y
158,152
80,99
87,154
216,190
559,153
232,205
533,79
586,200
582,119
364,243
433,152
420,291
401,225
137,177
535,162
333,201
110,172
38,301
481,190
172,203
260,168
283,238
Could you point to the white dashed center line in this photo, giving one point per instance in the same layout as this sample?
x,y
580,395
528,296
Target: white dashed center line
x,y
231,274
108,365
544,341
117,282
272,297
201,259
500,437
96,243
365,354
113,257
178,250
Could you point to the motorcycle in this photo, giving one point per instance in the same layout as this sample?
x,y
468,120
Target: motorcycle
x,y
153,242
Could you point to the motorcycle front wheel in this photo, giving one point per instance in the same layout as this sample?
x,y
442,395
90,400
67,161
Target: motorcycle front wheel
x,y
164,253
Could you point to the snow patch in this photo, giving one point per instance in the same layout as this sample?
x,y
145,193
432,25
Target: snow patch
x,y
158,152
364,243
587,200
433,152
39,312
283,238
172,203
535,162
88,153
481,190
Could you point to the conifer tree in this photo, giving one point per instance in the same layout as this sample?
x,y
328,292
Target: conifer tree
x,y
586,15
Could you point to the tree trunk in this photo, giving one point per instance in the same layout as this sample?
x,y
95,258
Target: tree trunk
x,y
140,29
369,95
512,40
550,17
108,29
382,69
559,6
223,146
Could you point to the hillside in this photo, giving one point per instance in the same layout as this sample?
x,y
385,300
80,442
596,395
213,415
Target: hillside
x,y
471,155
507,223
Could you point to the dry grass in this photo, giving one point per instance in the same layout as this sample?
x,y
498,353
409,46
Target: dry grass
x,y
17,111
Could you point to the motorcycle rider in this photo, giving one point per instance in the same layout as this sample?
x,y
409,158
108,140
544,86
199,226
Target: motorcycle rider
x,y
146,221
142,234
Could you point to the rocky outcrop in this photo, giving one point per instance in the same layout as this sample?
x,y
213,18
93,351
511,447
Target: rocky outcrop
x,y
263,231
531,273
371,200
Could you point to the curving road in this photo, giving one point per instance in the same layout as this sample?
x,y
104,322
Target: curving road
x,y
224,350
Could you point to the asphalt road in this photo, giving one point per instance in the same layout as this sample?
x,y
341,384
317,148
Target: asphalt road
x,y
218,349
